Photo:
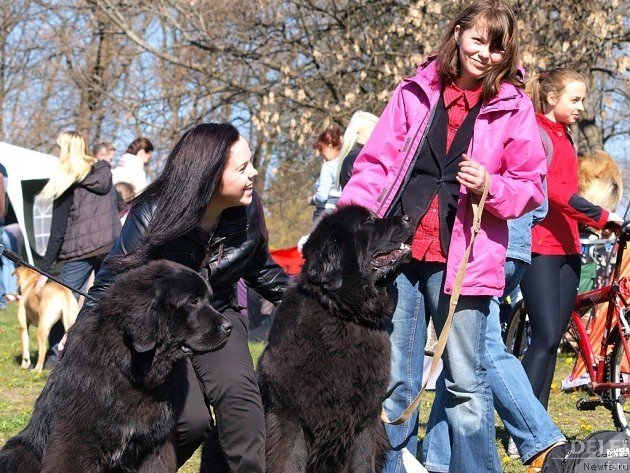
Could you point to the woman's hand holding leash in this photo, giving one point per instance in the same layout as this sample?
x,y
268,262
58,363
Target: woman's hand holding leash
x,y
472,175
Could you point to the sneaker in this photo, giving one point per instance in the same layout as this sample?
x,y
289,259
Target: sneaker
x,y
512,451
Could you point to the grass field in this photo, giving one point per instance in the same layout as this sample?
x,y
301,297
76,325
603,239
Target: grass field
x,y
19,389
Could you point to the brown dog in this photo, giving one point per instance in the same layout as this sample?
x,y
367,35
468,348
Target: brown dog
x,y
600,180
54,302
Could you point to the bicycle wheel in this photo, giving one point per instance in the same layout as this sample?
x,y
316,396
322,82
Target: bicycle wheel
x,y
518,333
619,373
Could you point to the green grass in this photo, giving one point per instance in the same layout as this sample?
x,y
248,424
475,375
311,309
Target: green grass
x,y
20,388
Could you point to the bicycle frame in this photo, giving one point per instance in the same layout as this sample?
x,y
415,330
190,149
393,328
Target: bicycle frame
x,y
616,294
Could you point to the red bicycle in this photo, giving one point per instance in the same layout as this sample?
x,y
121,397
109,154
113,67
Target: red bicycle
x,y
608,366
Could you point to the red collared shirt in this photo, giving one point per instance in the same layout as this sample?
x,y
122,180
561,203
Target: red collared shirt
x,y
426,244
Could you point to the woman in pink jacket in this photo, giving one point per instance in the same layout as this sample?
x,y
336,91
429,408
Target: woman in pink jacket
x,y
462,117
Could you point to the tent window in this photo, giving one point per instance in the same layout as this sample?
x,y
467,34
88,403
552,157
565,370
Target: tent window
x,y
42,217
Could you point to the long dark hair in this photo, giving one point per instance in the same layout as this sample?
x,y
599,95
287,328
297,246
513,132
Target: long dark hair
x,y
183,190
138,144
499,19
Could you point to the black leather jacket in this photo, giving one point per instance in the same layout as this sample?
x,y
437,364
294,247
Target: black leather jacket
x,y
238,248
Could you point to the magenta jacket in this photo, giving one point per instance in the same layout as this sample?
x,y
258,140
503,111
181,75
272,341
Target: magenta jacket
x,y
505,140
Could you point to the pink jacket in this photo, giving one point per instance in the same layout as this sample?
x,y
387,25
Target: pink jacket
x,y
505,140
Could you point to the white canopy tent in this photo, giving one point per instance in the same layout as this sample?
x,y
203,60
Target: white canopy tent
x,y
28,172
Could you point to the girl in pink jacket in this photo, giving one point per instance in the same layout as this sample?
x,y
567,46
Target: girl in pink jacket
x,y
463,116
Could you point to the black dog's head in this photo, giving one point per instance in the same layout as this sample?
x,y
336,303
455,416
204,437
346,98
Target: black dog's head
x,y
351,251
166,306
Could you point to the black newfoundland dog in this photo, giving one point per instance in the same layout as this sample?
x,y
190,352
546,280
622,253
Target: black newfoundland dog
x,y
324,373
106,406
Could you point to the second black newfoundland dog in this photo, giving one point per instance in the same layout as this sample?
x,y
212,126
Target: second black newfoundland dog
x,y
324,373
106,406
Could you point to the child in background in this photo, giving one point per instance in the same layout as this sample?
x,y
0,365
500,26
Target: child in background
x,y
550,283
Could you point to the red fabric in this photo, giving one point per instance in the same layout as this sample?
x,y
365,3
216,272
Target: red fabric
x,y
458,103
558,233
426,244
289,259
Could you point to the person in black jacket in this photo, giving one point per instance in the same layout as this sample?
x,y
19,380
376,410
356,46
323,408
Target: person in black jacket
x,y
85,220
203,212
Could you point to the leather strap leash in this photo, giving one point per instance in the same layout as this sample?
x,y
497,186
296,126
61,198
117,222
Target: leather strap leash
x,y
457,287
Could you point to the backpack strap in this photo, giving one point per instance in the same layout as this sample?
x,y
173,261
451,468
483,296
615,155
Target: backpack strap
x,y
547,144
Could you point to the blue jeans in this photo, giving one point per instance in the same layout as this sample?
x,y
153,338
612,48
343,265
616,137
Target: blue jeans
x,y
408,335
3,268
76,275
9,280
419,294
523,416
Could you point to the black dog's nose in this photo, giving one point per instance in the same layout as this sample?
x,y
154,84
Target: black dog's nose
x,y
227,326
406,218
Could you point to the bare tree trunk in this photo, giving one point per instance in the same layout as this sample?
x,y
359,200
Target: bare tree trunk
x,y
90,113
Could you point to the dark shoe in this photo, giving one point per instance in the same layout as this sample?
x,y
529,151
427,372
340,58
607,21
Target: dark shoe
x,y
52,359
51,362
536,465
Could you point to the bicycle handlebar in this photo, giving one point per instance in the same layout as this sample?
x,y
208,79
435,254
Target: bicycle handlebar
x,y
600,242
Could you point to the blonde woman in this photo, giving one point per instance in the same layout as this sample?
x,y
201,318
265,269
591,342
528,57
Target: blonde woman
x,y
85,220
359,130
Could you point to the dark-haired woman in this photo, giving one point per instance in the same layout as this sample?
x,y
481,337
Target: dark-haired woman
x,y
132,164
203,212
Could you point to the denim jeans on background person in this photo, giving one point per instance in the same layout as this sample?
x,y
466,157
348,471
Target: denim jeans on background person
x,y
9,280
4,268
418,294
523,416
76,275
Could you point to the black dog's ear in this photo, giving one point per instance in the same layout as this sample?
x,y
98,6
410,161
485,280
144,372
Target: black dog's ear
x,y
141,325
141,329
322,263
361,245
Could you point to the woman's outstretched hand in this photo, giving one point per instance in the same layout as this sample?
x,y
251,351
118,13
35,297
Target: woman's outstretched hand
x,y
613,225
